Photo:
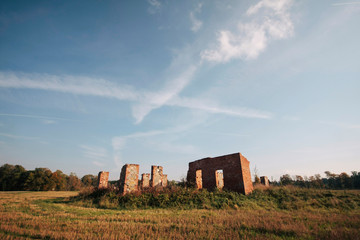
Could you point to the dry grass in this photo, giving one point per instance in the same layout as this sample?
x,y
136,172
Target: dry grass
x,y
48,215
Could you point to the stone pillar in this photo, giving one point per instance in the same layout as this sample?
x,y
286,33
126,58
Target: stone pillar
x,y
103,178
129,178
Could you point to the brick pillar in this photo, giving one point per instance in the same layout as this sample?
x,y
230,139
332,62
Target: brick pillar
x,y
264,180
145,180
129,178
103,178
156,176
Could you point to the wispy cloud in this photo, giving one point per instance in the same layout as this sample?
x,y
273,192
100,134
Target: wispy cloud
x,y
200,104
154,7
144,102
341,125
97,154
69,84
48,121
33,116
290,118
345,3
269,20
153,100
119,142
196,24
99,164
17,136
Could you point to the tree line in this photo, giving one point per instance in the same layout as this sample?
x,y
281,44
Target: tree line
x,y
16,178
331,181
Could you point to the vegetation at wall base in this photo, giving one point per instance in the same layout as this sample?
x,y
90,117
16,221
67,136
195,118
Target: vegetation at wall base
x,y
272,198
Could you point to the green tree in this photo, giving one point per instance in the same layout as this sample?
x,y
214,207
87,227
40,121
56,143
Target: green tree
x,y
59,179
73,182
89,180
285,179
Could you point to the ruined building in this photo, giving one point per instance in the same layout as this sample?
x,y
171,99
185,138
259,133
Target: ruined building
x,y
230,172
129,178
103,178
264,181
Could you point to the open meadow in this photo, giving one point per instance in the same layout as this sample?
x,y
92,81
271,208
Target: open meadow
x,y
53,215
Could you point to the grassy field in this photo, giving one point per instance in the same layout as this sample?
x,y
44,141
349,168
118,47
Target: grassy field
x,y
52,215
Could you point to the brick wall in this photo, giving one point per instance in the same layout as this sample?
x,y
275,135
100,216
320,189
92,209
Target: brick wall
x,y
236,173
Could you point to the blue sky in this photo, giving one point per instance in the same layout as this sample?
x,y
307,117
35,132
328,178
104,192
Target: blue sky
x,y
87,86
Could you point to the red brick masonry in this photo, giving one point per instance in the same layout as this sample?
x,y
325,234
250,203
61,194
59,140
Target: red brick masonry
x,y
236,173
129,178
103,178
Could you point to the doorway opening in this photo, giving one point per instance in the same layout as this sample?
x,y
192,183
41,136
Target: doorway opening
x,y
219,176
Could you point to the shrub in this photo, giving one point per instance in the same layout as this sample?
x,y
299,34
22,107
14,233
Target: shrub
x,y
286,198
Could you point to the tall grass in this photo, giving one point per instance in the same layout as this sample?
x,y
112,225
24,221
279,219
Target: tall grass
x,y
56,215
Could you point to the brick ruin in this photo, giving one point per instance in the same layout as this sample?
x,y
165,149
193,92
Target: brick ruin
x,y
129,178
145,180
103,178
158,179
230,172
264,181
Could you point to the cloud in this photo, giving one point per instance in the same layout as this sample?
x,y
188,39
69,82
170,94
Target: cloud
x,y
345,3
154,100
48,121
290,118
195,22
68,84
143,101
154,7
97,154
32,116
213,108
99,164
17,136
119,142
341,125
270,20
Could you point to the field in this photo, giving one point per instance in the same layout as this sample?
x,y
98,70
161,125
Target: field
x,y
52,215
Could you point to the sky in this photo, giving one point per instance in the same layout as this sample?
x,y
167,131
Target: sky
x,y
88,86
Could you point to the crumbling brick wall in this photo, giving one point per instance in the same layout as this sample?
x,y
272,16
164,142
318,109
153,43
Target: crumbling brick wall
x,y
164,180
236,173
145,180
157,177
264,180
129,178
103,178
